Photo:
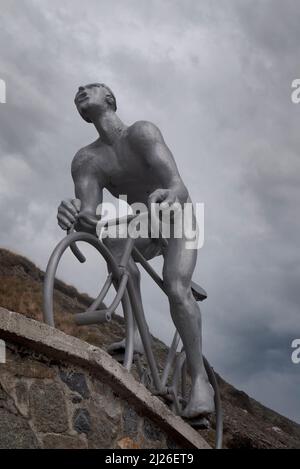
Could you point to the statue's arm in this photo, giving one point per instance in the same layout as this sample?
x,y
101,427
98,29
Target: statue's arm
x,y
148,140
88,185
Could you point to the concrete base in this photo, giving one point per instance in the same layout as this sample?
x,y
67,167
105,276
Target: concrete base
x,y
38,338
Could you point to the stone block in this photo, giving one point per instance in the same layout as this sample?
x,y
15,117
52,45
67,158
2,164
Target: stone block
x,y
48,408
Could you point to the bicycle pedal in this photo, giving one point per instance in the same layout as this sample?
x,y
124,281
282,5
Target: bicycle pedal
x,y
200,423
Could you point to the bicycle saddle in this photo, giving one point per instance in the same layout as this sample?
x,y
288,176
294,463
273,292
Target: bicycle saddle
x,y
198,292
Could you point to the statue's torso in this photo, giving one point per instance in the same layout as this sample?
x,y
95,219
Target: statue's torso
x,y
124,170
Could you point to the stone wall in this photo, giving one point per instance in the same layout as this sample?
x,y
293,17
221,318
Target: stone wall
x,y
57,391
53,405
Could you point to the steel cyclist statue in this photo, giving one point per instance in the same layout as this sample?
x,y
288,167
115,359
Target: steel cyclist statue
x,y
135,160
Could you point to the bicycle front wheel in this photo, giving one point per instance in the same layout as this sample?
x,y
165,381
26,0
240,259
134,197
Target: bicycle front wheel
x,y
63,245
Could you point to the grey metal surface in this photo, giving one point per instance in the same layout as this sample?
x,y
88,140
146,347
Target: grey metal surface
x,y
135,160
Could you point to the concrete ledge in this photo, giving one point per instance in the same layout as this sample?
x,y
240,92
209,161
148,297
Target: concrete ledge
x,y
55,344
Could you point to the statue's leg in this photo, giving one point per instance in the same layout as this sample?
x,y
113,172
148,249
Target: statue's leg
x,y
116,246
179,264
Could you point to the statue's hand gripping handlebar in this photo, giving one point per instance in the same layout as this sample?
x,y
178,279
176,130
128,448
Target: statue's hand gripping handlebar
x,y
89,220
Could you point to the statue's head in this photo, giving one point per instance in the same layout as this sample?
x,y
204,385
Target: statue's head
x,y
93,100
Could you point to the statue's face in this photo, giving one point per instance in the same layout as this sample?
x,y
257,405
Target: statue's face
x,y
91,100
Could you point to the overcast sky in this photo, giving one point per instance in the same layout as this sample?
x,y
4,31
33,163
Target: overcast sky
x,y
216,78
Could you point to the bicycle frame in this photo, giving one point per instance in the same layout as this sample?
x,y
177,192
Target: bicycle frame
x,y
126,295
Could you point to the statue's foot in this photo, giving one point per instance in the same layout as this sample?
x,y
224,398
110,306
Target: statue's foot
x,y
119,347
201,402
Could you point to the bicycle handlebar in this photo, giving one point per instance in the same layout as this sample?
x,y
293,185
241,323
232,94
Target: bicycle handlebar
x,y
96,222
